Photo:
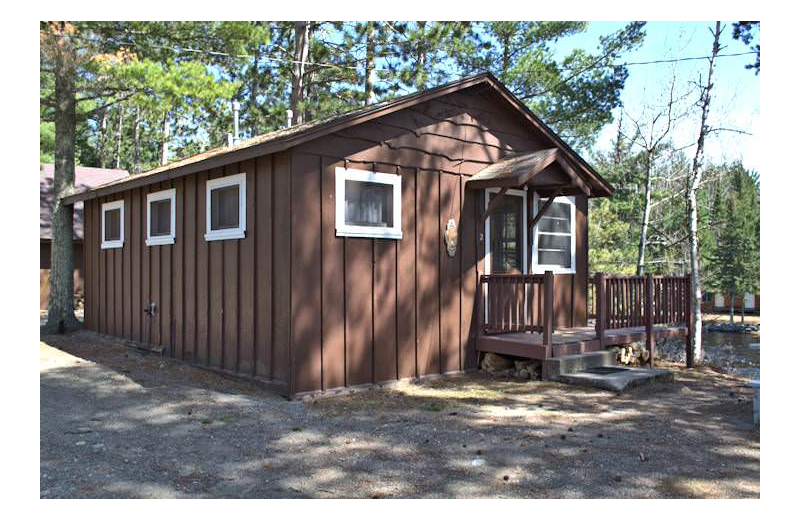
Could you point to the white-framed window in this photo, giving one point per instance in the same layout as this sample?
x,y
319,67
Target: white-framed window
x,y
554,236
113,225
226,212
161,218
368,204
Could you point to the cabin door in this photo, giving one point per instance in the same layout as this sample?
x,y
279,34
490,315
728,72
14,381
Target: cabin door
x,y
506,238
749,301
719,301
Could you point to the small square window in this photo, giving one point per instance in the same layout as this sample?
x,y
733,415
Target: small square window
x,y
368,204
225,207
161,218
113,224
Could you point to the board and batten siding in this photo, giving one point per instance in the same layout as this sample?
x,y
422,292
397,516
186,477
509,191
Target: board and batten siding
x,y
293,303
370,310
217,303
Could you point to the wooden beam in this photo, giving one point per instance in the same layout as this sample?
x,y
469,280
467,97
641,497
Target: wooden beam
x,y
493,204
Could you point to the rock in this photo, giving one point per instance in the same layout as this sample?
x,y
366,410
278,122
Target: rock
x,y
478,462
524,374
520,365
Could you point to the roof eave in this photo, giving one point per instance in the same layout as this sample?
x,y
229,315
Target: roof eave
x,y
279,144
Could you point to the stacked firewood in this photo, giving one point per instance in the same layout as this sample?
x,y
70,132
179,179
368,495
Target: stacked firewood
x,y
632,354
503,366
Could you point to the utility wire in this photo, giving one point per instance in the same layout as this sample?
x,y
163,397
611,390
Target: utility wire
x,y
350,67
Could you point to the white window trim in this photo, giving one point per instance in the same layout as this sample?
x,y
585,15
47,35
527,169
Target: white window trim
x,y
112,244
487,232
239,179
557,269
345,230
163,239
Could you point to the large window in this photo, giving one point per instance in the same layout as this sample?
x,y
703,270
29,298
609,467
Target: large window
x,y
113,224
225,207
368,204
161,218
554,236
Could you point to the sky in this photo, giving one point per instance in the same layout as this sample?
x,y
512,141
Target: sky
x,y
735,95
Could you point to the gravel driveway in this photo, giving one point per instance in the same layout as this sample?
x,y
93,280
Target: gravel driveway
x,y
117,423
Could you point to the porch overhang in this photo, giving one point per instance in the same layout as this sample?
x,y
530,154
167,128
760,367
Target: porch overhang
x,y
545,171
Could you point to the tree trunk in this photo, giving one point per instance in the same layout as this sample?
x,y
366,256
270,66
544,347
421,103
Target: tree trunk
x,y
645,218
731,307
118,152
136,123
298,69
743,296
61,305
307,115
369,72
421,55
101,147
618,142
694,185
165,141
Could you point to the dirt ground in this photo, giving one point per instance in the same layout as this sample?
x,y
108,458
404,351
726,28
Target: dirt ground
x,y
118,423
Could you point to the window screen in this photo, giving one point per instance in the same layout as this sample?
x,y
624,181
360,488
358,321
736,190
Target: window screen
x,y
225,208
160,218
368,204
554,235
112,227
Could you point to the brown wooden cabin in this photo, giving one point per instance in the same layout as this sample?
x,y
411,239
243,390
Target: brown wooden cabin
x,y
722,303
349,251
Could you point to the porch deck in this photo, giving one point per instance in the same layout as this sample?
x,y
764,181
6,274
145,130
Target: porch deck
x,y
519,314
569,341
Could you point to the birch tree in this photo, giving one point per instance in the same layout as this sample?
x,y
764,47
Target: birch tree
x,y
695,178
652,131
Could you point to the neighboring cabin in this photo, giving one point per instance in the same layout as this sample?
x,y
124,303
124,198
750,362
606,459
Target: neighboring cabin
x,y
718,302
345,251
85,179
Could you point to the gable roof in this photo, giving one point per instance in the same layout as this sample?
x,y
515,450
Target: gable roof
x,y
85,179
286,138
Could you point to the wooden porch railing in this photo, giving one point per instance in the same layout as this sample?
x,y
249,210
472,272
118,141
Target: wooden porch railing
x,y
518,303
636,301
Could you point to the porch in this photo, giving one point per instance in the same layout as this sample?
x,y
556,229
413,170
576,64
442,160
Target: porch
x,y
518,314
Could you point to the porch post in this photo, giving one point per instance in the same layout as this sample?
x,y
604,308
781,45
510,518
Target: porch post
x,y
599,308
547,319
648,311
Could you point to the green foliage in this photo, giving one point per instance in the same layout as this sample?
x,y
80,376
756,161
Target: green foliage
x,y
575,95
190,72
734,259
744,31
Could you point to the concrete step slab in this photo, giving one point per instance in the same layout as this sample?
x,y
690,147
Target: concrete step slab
x,y
552,368
616,378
